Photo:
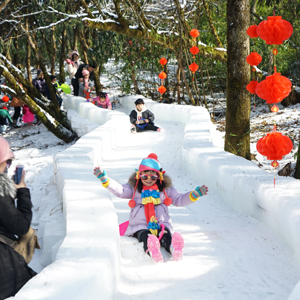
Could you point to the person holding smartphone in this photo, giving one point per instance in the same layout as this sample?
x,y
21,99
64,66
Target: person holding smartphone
x,y
14,221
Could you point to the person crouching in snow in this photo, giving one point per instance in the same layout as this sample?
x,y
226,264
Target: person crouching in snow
x,y
151,193
142,118
102,100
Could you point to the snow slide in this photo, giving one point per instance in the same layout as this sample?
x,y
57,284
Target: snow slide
x,y
227,255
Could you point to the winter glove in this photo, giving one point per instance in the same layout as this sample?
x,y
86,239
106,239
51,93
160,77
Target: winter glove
x,y
101,175
198,192
68,61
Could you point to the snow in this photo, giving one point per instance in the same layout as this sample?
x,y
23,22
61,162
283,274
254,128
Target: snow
x,y
239,239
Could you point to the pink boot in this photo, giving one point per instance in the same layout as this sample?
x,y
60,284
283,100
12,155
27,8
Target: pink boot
x,y
154,248
177,245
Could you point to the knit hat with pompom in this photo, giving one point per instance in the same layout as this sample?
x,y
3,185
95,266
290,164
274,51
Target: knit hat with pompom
x,y
150,163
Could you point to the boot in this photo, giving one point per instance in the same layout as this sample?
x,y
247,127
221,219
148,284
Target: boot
x,y
154,248
177,246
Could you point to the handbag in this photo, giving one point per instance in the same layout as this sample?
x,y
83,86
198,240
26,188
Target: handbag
x,y
25,245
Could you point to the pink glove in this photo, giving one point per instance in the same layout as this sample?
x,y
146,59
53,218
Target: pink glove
x,y
68,61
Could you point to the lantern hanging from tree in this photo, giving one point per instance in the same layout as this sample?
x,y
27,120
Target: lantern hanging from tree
x,y
274,146
252,86
162,75
274,88
194,33
162,89
194,50
253,59
193,67
274,30
163,61
251,31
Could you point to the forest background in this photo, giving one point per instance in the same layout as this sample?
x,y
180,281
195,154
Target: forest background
x,y
40,34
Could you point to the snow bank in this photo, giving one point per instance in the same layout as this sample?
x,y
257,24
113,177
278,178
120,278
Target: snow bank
x,y
89,254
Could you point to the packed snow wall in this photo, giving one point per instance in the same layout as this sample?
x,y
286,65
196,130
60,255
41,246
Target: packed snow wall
x,y
90,251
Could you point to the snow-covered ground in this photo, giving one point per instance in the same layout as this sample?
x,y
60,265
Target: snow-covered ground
x,y
227,254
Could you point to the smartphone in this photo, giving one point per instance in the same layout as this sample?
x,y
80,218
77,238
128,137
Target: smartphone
x,y
18,174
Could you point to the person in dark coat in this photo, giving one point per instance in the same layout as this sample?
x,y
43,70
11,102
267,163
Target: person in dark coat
x,y
141,118
79,76
53,79
14,221
40,83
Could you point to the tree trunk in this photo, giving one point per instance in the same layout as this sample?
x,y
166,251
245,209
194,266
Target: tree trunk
x,y
297,168
98,85
237,137
28,54
211,25
53,57
133,78
178,84
61,78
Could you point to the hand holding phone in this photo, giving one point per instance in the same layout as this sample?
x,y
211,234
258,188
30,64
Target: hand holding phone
x,y
18,174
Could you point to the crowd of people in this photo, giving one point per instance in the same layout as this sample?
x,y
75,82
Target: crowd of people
x,y
81,77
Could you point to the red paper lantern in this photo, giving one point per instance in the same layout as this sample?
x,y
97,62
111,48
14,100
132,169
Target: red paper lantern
x,y
274,30
274,108
162,89
193,67
163,61
274,145
194,33
251,31
162,75
274,88
253,59
252,86
5,98
4,107
194,50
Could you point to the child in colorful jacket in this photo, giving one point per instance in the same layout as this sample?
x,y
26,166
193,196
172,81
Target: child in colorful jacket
x,y
102,100
151,193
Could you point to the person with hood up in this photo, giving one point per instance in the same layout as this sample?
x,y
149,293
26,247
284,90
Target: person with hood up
x,y
151,192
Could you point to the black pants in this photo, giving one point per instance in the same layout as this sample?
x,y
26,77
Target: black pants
x,y
2,121
75,85
149,126
14,272
165,242
17,113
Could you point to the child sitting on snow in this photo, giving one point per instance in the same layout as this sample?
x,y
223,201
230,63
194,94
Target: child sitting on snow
x,y
151,193
142,118
102,100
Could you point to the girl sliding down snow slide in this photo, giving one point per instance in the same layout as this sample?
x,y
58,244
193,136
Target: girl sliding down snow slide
x,y
151,192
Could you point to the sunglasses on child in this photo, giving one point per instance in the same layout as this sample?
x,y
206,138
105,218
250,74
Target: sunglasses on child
x,y
152,177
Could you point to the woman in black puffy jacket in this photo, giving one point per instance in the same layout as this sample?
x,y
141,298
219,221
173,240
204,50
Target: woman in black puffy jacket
x,y
14,221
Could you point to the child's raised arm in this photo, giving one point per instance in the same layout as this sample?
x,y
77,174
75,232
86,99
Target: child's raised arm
x,y
102,176
198,192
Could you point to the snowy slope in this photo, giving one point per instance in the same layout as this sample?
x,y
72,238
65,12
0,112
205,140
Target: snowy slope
x,y
227,255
